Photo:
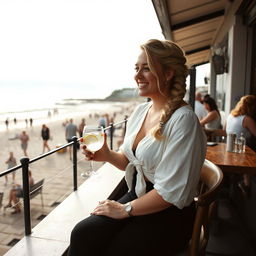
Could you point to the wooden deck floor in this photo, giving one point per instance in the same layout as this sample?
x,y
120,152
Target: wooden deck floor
x,y
233,232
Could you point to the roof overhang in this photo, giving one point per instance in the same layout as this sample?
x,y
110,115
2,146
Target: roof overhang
x,y
191,24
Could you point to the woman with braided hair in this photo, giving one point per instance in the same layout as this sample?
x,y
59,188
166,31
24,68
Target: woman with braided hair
x,y
162,155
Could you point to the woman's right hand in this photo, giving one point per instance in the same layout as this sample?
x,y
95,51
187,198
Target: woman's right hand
x,y
98,156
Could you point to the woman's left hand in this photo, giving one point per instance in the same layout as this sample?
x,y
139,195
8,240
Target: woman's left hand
x,y
111,208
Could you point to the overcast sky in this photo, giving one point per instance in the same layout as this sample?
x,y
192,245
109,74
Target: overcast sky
x,y
79,48
89,42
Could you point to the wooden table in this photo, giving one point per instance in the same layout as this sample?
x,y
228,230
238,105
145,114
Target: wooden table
x,y
229,162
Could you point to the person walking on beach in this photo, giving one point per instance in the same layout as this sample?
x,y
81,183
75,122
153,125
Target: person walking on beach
x,y
102,121
45,134
71,130
81,127
24,138
11,162
7,123
49,114
31,122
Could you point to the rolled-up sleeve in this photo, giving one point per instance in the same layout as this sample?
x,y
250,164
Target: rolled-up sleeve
x,y
177,175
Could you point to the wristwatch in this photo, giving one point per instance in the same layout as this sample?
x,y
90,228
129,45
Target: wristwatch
x,y
128,208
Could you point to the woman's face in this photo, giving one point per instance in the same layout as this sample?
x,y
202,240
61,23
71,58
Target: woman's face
x,y
145,79
207,107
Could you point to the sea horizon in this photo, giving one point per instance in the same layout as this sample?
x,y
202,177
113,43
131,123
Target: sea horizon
x,y
25,95
61,110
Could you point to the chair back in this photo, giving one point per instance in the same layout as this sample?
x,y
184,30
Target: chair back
x,y
210,181
36,189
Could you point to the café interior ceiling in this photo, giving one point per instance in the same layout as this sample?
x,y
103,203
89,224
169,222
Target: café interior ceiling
x,y
193,24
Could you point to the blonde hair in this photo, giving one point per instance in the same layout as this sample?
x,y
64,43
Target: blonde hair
x,y
170,56
245,106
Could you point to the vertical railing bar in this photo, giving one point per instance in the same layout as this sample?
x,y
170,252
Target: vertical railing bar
x,y
75,162
125,123
111,135
26,200
192,89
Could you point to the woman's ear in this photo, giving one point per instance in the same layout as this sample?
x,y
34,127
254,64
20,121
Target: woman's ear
x,y
169,74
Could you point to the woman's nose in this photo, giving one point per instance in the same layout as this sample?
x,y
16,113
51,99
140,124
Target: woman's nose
x,y
138,75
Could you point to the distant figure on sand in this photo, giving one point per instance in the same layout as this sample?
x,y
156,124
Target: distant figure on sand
x,y
81,127
7,123
15,120
17,192
31,122
49,114
11,162
71,130
64,124
24,138
45,134
102,121
55,111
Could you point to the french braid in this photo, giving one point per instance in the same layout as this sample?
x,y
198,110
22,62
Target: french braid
x,y
169,55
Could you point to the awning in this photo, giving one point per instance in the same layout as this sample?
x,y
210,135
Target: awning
x,y
191,24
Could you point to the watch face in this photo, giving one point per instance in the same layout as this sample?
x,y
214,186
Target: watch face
x,y
128,207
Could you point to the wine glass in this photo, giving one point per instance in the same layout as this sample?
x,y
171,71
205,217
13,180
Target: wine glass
x,y
93,139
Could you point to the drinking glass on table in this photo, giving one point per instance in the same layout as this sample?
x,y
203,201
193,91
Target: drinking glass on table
x,y
93,139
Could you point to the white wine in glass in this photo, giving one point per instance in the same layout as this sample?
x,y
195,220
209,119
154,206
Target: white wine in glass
x,y
93,139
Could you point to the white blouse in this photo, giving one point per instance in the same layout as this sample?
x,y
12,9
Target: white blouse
x,y
214,124
172,164
235,125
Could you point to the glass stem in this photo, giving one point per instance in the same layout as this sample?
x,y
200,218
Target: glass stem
x,y
91,165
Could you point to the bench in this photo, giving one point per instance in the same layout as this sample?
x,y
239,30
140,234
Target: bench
x,y
51,236
35,190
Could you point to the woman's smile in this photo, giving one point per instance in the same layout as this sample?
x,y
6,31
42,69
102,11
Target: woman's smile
x,y
142,85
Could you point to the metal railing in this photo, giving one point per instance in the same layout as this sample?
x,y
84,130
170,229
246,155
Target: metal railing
x,y
25,162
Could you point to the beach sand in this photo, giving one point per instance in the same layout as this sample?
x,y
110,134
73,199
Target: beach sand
x,y
55,169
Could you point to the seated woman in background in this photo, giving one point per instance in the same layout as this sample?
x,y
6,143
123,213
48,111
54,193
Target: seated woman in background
x,y
16,192
242,119
212,120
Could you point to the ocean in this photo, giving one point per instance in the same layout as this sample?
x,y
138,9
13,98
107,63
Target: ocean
x,y
62,110
30,99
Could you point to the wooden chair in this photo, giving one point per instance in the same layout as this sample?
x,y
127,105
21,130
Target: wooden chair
x,y
210,181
